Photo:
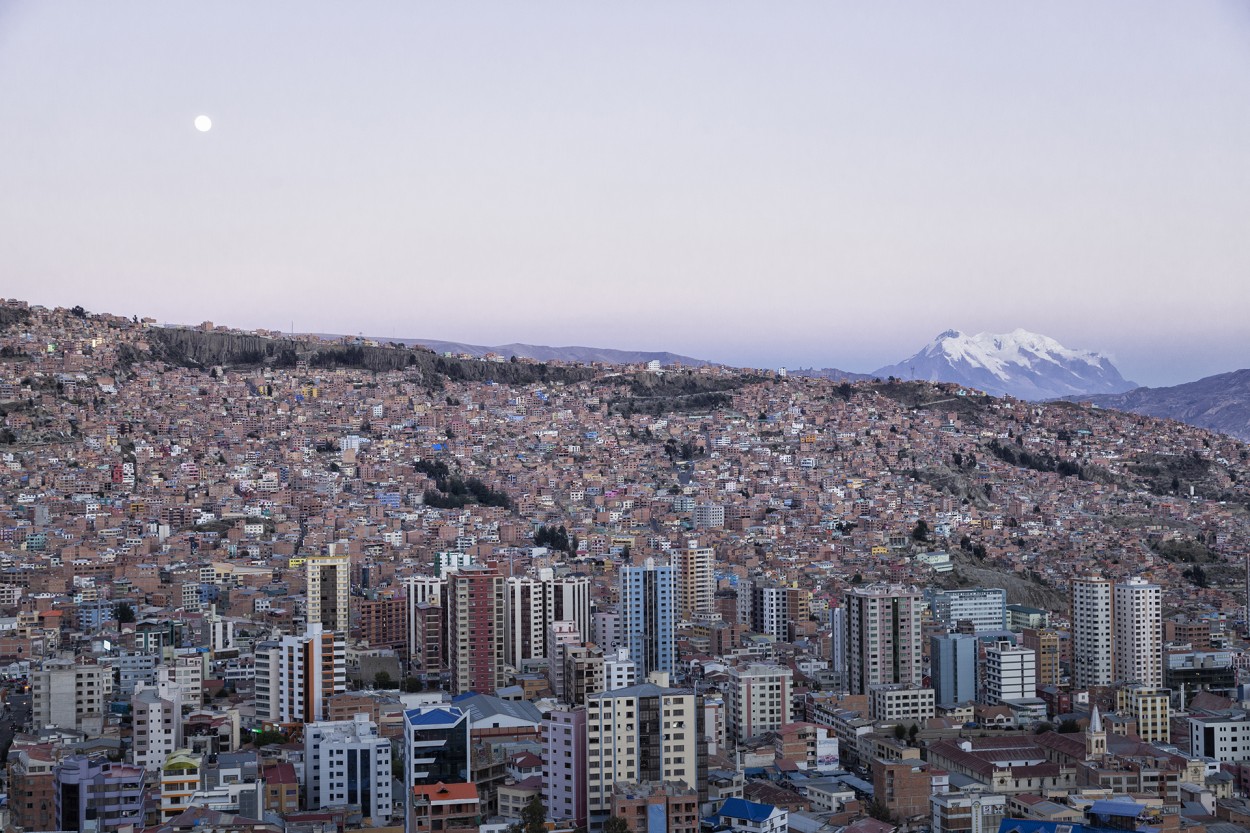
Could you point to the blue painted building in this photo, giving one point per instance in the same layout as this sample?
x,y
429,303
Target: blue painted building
x,y
953,668
648,616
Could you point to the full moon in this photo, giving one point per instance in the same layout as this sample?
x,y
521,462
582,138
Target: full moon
x,y
203,124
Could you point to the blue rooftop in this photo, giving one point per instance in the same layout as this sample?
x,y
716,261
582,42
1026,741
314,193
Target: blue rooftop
x,y
440,716
740,808
1127,809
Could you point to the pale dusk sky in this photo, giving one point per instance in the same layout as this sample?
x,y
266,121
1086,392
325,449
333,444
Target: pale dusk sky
x,y
769,184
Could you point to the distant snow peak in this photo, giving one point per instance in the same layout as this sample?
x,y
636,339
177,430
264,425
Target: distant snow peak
x,y
1019,363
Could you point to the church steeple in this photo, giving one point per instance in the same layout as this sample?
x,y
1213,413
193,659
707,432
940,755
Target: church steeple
x,y
1095,737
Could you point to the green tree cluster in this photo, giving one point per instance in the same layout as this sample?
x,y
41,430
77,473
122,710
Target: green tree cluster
x,y
555,537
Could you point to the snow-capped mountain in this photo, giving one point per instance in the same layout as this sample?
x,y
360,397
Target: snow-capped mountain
x,y
1020,364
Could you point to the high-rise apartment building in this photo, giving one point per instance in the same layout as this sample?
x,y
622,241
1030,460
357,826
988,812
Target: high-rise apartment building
x,y
533,602
564,765
608,630
383,624
426,657
648,608
70,695
883,636
708,516
953,668
1010,674
526,623
583,673
1139,633
1045,643
567,599
696,579
644,733
93,789
422,590
560,635
770,613
773,608
838,657
475,630
297,675
186,670
436,745
156,713
985,607
1093,635
757,699
346,762
329,586
1151,708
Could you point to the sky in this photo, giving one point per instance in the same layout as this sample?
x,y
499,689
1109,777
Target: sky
x,y
825,184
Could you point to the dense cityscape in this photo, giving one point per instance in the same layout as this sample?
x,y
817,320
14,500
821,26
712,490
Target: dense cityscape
x,y
255,581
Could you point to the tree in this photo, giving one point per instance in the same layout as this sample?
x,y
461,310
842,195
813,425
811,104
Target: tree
x,y
615,824
267,737
899,732
533,818
1197,575
1068,727
124,613
381,680
921,530
78,311
411,685
879,810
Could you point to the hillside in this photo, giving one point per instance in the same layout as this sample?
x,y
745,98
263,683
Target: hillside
x,y
1219,403
543,353
194,348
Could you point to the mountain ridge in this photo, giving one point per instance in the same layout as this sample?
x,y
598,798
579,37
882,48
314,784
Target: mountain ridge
x,y
545,353
1021,364
1218,403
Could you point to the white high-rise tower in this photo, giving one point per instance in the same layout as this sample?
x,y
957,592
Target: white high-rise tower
x,y
1139,632
1093,637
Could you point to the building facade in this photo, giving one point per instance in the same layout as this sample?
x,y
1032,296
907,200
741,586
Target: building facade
x,y
648,608
1010,674
346,763
953,667
95,789
696,579
883,636
328,582
1093,636
475,630
757,699
1139,633
297,675
985,607
564,765
644,733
